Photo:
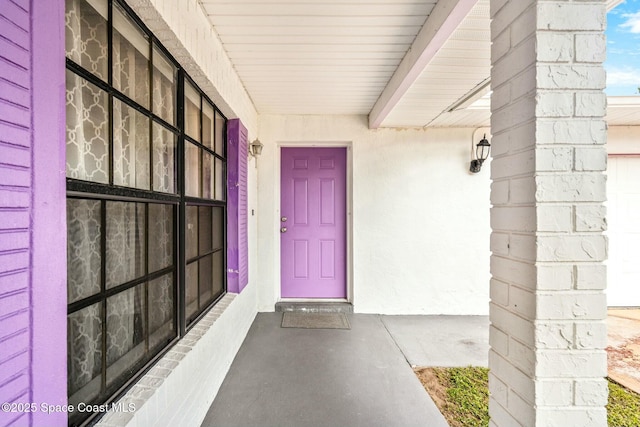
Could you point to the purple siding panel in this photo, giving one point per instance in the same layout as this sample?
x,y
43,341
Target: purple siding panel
x,y
14,217
15,197
12,282
32,209
15,52
16,13
237,217
15,156
15,16
16,94
8,71
13,134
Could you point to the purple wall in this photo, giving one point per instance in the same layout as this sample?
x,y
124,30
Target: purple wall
x,y
32,209
237,205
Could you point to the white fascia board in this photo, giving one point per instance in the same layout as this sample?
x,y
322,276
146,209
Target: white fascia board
x,y
445,17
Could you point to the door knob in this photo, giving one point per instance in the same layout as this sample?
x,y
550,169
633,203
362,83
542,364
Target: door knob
x,y
283,230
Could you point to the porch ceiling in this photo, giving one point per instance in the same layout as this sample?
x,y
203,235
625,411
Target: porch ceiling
x,y
406,63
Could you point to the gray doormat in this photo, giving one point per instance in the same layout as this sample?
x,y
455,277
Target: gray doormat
x,y
315,320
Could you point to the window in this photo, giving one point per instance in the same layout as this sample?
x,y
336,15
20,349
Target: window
x,y
146,200
205,188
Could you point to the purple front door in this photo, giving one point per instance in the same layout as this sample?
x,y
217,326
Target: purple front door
x,y
313,223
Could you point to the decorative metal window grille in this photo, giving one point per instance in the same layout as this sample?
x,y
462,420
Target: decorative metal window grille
x,y
146,190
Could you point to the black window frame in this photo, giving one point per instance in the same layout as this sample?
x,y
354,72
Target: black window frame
x,y
105,193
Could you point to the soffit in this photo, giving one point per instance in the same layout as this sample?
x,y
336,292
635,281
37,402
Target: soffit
x,y
461,65
316,57
338,56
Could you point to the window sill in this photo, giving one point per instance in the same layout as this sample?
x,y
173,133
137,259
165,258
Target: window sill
x,y
131,404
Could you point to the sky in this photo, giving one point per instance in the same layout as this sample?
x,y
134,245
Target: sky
x,y
623,49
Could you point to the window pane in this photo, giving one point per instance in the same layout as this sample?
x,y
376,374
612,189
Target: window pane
x,y
130,147
192,231
164,169
161,316
83,248
130,59
125,242
191,111
219,145
220,183
160,236
126,331
86,35
218,227
87,130
84,354
164,87
192,170
191,290
217,275
207,125
207,175
204,235
205,280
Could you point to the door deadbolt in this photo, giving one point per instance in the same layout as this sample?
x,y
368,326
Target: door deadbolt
x,y
283,219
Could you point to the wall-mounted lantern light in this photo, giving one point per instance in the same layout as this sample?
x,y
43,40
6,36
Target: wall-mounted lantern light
x,y
255,148
482,153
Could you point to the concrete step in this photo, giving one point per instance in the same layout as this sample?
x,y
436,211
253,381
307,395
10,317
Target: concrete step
x,y
314,307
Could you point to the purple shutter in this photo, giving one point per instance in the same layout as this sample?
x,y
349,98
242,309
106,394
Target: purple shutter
x,y
237,218
15,207
33,268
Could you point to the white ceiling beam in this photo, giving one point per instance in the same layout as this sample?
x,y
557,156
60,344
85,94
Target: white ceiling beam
x,y
441,23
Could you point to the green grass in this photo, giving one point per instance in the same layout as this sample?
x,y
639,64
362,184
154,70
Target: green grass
x,y
466,401
623,409
467,395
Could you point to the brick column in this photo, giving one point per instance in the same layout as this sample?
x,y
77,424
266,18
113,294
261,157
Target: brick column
x,y
548,306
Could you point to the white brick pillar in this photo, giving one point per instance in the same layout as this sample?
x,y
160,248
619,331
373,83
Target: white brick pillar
x,y
547,360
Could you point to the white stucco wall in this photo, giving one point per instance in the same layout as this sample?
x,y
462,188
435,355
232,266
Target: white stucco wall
x,y
420,220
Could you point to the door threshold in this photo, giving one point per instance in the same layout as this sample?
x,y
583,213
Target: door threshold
x,y
315,306
343,300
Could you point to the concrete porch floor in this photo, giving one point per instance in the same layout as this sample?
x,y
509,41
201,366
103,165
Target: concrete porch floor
x,y
331,377
362,377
